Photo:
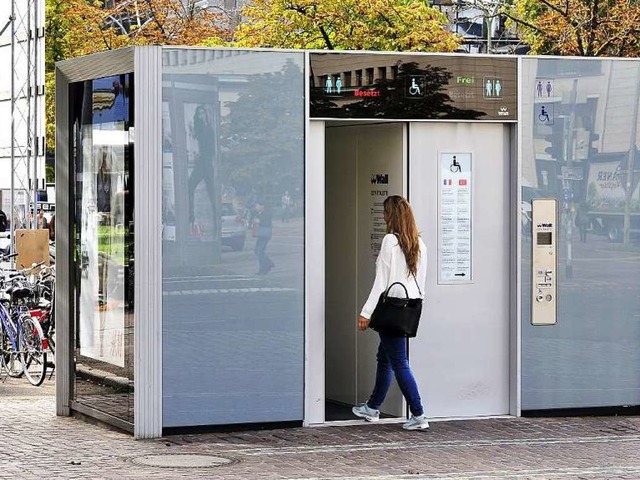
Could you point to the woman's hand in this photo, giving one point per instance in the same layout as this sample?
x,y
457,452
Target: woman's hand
x,y
363,323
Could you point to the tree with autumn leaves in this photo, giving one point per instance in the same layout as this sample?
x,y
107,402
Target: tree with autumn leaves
x,y
591,28
82,27
395,25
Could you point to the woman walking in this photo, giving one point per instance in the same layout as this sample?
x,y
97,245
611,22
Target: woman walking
x,y
402,258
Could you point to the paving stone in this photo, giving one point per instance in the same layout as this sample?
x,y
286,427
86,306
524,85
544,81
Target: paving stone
x,y
46,446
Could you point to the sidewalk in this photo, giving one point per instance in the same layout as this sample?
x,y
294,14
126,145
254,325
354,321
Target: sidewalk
x,y
41,445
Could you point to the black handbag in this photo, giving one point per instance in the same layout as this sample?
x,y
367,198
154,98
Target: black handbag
x,y
395,316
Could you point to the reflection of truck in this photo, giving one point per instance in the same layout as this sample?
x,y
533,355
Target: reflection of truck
x,y
605,197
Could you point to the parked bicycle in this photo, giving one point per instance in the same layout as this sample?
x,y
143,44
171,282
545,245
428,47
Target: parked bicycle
x,y
23,343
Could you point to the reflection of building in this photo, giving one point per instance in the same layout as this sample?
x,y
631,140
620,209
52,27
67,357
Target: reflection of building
x,y
583,150
481,25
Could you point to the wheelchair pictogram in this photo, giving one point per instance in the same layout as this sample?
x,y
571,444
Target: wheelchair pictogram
x,y
415,87
545,114
455,166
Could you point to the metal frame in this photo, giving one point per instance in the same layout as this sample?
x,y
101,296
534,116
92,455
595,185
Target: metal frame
x,y
145,63
148,243
314,261
516,255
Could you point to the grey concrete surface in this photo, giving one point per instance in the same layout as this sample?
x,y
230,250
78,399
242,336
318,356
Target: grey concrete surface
x,y
40,445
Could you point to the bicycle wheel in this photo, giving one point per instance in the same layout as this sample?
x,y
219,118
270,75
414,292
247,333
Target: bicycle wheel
x,y
32,354
10,360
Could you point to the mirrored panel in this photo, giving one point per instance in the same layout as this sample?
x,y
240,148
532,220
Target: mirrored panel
x,y
580,146
101,121
233,236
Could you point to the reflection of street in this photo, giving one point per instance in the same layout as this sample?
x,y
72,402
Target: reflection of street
x,y
248,328
238,269
590,357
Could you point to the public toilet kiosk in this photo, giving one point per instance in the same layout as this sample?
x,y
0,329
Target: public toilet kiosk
x,y
175,310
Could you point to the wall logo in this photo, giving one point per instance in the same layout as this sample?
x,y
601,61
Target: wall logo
x,y
503,111
380,179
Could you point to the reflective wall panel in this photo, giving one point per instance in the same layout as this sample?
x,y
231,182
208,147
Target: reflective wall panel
x,y
580,146
233,236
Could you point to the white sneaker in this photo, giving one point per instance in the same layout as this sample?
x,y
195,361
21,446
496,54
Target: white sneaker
x,y
416,423
364,411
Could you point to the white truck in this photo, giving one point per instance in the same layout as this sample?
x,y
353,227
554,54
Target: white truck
x,y
606,197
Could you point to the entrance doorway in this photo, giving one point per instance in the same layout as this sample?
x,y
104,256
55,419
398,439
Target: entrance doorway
x,y
363,165
464,357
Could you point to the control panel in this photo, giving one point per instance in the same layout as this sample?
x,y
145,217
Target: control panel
x,y
544,261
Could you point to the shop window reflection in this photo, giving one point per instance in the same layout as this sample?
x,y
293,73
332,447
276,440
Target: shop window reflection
x,y
101,110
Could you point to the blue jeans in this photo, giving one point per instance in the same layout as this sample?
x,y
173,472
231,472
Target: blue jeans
x,y
392,359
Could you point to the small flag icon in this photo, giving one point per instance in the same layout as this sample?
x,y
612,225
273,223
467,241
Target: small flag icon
x,y
447,182
462,181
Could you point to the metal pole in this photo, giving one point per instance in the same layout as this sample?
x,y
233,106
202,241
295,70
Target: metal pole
x,y
30,146
628,188
13,127
36,143
568,188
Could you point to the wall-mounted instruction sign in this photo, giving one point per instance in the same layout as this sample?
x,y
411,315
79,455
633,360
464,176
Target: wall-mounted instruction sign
x,y
454,223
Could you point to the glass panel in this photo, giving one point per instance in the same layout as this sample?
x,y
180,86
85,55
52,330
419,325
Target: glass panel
x,y
580,141
233,237
101,113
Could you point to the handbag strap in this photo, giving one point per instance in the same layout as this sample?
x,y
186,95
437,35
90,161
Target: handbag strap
x,y
416,280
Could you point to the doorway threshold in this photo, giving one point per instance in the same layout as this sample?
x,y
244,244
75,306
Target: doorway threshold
x,y
470,417
359,422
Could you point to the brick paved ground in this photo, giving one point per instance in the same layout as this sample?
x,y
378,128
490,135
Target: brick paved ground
x,y
37,444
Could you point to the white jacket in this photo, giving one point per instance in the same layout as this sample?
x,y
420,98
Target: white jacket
x,y
391,267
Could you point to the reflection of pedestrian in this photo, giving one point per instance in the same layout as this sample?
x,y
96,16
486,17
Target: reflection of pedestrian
x,y
3,221
104,183
582,221
42,220
204,134
52,228
286,207
263,222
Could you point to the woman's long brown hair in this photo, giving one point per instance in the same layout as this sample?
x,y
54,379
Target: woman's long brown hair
x,y
401,222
